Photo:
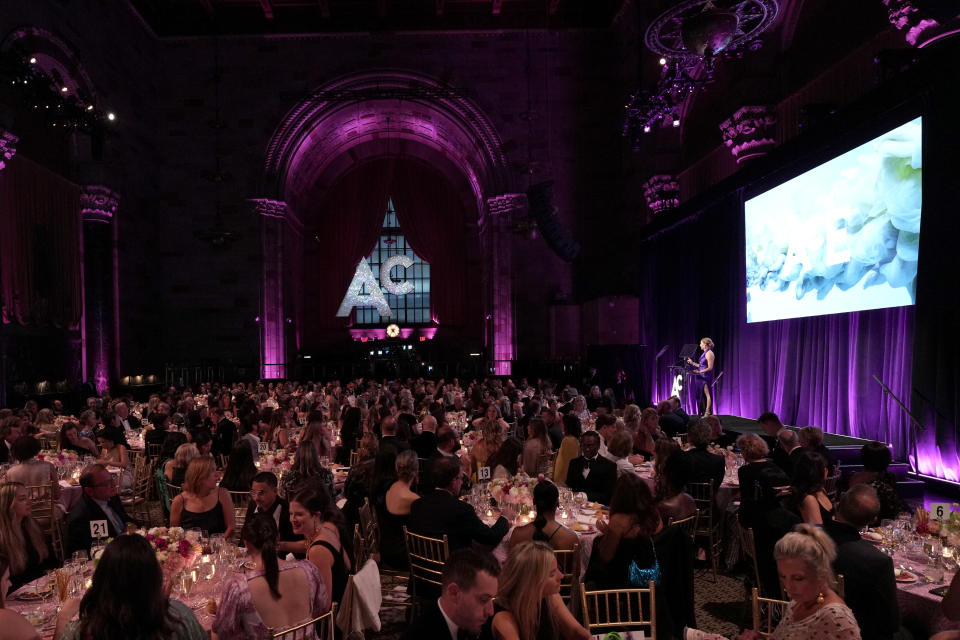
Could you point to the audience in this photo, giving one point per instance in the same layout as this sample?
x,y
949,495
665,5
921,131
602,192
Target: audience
x,y
591,473
315,517
9,432
869,583
442,512
876,457
71,440
468,586
425,443
273,594
669,482
569,446
202,504
756,465
493,434
265,499
25,552
505,462
620,446
158,433
528,604
606,426
99,501
789,444
30,471
394,511
807,495
114,453
545,527
127,600
811,439
307,471
646,433
175,469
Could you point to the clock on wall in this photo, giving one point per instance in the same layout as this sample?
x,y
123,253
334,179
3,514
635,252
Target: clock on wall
x,y
393,331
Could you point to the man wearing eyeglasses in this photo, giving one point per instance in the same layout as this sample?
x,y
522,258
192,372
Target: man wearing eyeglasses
x,y
99,503
264,499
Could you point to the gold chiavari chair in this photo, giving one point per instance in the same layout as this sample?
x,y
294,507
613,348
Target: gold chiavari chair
x,y
749,545
361,548
137,505
354,457
830,486
153,450
368,525
708,524
240,501
568,561
620,610
44,511
688,524
322,627
766,613
841,586
427,557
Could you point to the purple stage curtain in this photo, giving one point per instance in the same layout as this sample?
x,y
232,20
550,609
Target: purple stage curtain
x,y
810,371
347,223
40,238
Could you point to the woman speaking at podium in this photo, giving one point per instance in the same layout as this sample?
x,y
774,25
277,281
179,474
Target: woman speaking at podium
x,y
706,374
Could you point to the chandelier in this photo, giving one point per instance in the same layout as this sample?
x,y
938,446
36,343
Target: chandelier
x,y
689,38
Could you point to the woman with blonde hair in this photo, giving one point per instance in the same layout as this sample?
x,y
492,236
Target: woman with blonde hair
x,y
528,605
493,435
175,469
536,447
21,540
804,559
202,504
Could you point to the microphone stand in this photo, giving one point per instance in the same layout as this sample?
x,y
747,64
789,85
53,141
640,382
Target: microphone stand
x,y
914,424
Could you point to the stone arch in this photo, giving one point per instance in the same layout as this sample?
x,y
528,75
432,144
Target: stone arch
x,y
55,57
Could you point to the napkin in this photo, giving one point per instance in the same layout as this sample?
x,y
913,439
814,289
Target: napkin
x,y
360,608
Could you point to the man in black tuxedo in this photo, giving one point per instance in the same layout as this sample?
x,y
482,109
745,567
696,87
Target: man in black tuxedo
x,y
789,443
702,466
442,512
224,432
772,428
264,499
670,423
9,431
869,584
99,502
425,444
465,606
592,473
127,421
388,427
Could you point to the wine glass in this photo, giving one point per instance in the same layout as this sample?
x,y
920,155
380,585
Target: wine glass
x,y
187,579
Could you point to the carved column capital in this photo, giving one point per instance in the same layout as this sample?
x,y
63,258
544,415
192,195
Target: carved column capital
x,y
750,132
661,192
269,208
906,16
8,147
98,203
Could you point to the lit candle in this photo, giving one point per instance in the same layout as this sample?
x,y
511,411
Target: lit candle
x,y
563,514
533,516
489,513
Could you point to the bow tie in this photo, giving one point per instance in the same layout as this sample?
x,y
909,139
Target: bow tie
x,y
463,634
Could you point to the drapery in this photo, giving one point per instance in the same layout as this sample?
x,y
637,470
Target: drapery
x,y
39,247
346,225
815,371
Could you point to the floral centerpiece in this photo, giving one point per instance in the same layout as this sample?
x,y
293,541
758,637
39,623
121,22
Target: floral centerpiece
x,y
469,439
729,457
516,491
58,457
176,549
281,460
949,528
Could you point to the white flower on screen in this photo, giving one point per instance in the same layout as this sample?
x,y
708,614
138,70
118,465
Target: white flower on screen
x,y
875,243
899,272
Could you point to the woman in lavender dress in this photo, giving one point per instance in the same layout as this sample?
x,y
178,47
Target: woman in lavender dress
x,y
275,595
706,375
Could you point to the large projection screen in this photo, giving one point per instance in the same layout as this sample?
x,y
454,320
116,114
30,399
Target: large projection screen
x,y
841,237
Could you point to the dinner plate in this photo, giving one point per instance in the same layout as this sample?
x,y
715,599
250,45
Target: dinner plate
x,y
906,577
33,596
872,537
581,527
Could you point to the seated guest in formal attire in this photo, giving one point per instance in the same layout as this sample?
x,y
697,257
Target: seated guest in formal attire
x,y
669,481
528,604
425,443
240,469
870,588
204,441
128,421
360,479
811,439
789,444
307,469
876,457
274,594
30,471
15,626
442,512
202,504
22,543
44,424
492,436
264,499
98,502
717,435
9,432
647,433
158,433
703,466
127,600
591,473
248,435
668,420
505,462
315,516
569,447
389,438
804,560
113,452
619,449
807,496
553,424
754,450
771,521
350,433
536,448
394,511
606,426
545,527
71,440
771,425
468,586
175,469
224,432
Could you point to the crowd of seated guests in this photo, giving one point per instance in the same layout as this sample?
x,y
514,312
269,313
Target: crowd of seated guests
x,y
414,474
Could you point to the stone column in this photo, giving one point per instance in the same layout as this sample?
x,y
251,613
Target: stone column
x,y
661,192
275,218
8,148
98,206
496,241
750,132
